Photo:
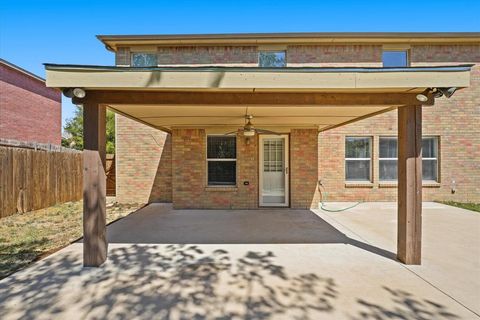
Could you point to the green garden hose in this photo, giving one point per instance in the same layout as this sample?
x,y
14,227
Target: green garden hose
x,y
324,198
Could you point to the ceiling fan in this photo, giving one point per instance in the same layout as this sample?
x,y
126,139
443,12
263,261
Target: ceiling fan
x,y
249,130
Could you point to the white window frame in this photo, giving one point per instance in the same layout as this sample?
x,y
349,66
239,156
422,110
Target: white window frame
x,y
132,53
370,174
286,169
221,159
380,159
437,139
437,145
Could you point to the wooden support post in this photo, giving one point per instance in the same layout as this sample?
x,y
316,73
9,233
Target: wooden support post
x,y
409,237
94,185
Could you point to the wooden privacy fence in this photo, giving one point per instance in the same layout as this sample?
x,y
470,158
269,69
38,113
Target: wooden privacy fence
x,y
33,177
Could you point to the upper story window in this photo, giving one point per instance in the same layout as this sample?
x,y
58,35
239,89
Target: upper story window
x,y
144,59
272,59
358,158
221,160
395,58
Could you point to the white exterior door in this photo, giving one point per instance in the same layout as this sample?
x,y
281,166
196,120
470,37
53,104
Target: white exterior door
x,y
274,171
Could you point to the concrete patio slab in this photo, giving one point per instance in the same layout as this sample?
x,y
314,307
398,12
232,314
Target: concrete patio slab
x,y
259,264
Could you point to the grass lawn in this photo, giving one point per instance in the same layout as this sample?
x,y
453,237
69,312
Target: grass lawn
x,y
28,236
464,205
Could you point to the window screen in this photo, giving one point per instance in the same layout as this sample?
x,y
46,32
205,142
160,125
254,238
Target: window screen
x,y
388,158
430,158
272,59
358,158
221,160
387,166
144,60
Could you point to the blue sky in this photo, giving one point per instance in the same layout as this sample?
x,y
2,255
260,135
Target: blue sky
x,y
33,32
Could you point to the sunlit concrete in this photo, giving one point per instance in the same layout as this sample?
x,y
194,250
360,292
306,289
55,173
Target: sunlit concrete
x,y
259,264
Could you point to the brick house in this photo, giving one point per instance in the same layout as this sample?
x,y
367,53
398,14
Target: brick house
x,y
452,173
279,120
29,111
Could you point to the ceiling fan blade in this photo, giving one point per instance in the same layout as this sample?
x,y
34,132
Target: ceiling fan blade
x,y
267,132
229,133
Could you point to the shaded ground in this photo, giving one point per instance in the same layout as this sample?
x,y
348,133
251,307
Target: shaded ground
x,y
26,237
257,264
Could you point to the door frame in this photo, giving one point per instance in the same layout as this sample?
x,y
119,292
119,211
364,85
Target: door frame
x,y
261,137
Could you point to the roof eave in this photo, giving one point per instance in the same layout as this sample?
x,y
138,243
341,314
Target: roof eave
x,y
114,41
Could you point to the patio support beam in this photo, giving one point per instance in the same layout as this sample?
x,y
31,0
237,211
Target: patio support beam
x,y
409,184
94,185
287,99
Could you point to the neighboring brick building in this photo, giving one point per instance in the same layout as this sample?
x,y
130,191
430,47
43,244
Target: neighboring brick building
x,y
29,111
452,124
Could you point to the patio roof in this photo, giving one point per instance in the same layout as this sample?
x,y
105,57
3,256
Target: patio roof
x,y
168,97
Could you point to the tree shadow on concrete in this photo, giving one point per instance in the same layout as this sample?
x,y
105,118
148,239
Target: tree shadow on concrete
x,y
405,306
178,282
191,282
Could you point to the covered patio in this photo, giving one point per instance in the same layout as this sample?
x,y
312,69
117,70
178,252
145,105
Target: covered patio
x,y
280,99
259,264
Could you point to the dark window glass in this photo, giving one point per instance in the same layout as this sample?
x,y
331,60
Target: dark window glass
x,y
221,160
429,170
357,147
222,173
430,158
272,59
429,147
221,147
357,170
395,59
144,60
388,147
357,159
387,168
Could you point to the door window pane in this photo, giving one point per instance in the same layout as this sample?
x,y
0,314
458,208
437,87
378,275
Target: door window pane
x,y
358,158
395,58
272,59
144,60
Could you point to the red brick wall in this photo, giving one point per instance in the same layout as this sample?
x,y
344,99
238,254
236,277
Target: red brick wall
x,y
144,163
454,120
335,56
189,173
304,168
29,111
207,55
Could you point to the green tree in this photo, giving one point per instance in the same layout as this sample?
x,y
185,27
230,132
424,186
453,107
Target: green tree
x,y
73,131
